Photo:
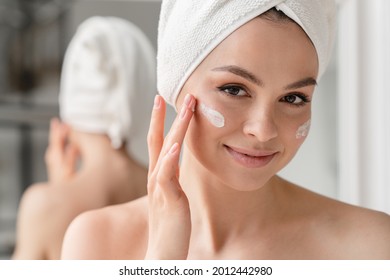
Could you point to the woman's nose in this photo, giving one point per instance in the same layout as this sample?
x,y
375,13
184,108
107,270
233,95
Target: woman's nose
x,y
261,124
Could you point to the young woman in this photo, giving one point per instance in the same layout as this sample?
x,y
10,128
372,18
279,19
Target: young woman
x,y
100,108
243,101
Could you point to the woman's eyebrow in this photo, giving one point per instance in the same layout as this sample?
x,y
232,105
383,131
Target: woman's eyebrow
x,y
236,70
302,83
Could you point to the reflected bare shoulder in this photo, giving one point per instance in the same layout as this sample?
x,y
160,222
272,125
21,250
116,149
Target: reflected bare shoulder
x,y
113,232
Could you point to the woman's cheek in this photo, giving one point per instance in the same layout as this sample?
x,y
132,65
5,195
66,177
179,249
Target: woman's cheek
x,y
213,116
303,130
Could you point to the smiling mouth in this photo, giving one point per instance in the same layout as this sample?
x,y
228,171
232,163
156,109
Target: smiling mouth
x,y
250,159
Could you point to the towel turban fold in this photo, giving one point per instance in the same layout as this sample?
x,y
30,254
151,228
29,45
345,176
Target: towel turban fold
x,y
108,81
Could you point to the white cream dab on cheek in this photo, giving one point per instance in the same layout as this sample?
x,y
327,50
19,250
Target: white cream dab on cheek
x,y
214,117
303,130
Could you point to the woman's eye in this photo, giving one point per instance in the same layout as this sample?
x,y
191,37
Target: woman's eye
x,y
233,90
296,99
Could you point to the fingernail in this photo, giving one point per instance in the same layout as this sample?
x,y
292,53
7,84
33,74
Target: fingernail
x,y
174,148
157,102
187,100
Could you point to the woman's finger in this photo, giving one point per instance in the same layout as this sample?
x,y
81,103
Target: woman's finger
x,y
166,177
53,140
156,131
54,122
71,157
180,125
58,135
169,212
178,130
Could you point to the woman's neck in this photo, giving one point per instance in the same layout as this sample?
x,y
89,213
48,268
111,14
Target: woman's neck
x,y
96,150
104,168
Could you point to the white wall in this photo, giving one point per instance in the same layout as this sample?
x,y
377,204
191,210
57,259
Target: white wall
x,y
364,134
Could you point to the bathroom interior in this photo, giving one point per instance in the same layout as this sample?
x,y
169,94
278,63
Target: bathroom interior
x,y
33,38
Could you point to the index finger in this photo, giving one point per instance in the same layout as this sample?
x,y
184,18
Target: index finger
x,y
54,123
179,127
156,131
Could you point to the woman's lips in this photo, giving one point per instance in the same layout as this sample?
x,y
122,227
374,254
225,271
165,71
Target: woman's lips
x,y
251,158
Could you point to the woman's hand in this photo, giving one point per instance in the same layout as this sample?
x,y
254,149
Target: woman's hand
x,y
61,156
169,212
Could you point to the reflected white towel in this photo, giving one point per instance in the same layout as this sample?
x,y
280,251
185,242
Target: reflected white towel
x,y
189,30
109,80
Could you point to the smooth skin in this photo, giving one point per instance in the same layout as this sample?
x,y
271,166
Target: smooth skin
x,y
105,177
219,203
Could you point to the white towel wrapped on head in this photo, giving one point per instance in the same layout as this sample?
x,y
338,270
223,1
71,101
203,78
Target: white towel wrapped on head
x,y
190,29
108,81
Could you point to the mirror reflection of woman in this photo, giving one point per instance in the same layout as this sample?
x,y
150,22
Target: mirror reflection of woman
x,y
92,154
244,107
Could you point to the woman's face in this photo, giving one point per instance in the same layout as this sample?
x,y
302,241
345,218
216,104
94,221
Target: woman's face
x,y
258,84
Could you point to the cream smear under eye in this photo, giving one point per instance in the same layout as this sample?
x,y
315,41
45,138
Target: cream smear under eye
x,y
303,130
213,116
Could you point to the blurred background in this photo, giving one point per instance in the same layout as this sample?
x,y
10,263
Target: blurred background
x,y
346,155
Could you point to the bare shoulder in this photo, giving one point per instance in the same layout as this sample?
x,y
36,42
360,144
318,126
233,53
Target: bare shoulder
x,y
34,223
43,196
346,231
365,232
113,232
36,205
35,195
